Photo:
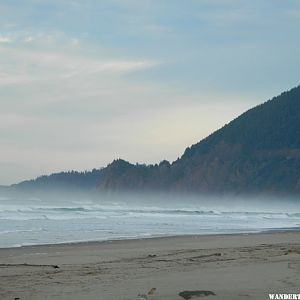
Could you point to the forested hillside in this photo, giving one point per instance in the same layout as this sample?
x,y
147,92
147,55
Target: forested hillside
x,y
258,152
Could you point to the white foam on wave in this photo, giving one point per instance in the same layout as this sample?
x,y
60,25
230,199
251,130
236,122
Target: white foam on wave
x,y
31,222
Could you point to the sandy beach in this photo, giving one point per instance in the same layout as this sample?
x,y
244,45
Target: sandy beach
x,y
245,266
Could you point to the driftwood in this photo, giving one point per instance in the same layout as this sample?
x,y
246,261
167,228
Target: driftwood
x,y
192,294
29,265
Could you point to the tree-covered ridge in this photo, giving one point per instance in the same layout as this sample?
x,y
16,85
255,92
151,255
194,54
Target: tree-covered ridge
x,y
258,152
272,125
69,180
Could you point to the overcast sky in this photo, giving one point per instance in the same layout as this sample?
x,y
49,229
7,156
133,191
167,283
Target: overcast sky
x,y
83,82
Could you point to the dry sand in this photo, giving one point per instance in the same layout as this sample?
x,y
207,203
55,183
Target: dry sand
x,y
245,266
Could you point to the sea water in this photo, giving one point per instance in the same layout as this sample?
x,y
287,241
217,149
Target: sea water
x,y
33,221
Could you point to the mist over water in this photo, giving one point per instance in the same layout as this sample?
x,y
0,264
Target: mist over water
x,y
65,217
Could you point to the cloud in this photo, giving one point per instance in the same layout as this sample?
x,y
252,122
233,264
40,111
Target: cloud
x,y
28,39
39,38
5,40
23,65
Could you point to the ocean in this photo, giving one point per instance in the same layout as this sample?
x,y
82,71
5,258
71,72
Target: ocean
x,y
32,221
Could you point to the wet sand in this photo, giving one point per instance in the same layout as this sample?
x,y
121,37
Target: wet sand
x,y
228,267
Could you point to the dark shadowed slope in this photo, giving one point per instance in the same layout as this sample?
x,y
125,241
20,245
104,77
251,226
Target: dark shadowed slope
x,y
258,152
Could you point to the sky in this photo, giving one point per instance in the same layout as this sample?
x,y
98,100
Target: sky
x,y
83,82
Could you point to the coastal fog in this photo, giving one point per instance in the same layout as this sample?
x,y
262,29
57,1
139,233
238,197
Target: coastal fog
x,y
60,217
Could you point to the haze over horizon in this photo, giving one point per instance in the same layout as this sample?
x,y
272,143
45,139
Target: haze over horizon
x,y
84,82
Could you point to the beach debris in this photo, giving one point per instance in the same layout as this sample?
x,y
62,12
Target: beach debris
x,y
193,294
292,251
152,291
244,295
144,296
152,255
29,265
205,256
